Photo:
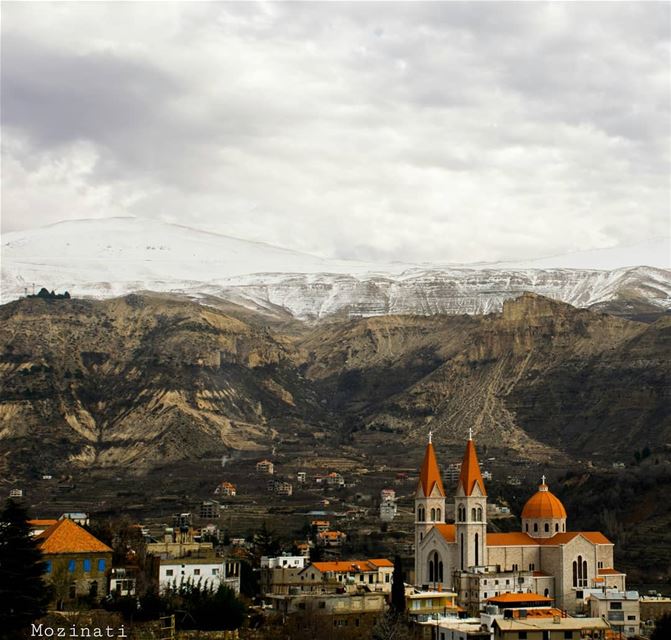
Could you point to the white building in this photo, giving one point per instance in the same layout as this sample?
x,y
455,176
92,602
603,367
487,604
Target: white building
x,y
622,610
210,571
284,562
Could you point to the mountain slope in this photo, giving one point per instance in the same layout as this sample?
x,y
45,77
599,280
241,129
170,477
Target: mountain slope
x,y
152,379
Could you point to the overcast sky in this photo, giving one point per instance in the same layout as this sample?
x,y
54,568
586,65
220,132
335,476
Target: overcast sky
x,y
410,131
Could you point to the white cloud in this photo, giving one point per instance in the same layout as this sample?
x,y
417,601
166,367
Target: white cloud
x,y
413,131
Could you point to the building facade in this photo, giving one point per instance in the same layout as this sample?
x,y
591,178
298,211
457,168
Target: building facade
x,y
463,556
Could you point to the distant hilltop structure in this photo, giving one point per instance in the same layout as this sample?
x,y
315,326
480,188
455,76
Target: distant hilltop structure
x,y
45,294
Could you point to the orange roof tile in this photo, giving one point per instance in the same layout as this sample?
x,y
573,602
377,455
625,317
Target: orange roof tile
x,y
381,562
67,537
429,475
41,523
512,539
517,539
351,566
519,597
544,504
470,471
609,571
448,531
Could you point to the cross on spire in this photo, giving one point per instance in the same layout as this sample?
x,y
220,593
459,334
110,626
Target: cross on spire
x,y
430,435
470,433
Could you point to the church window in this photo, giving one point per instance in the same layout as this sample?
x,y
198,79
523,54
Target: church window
x,y
516,567
479,514
473,513
438,515
462,551
527,526
547,528
433,515
532,566
535,526
557,526
420,514
477,549
580,572
600,565
563,527
440,571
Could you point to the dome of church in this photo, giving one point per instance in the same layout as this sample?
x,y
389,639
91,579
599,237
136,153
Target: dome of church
x,y
543,505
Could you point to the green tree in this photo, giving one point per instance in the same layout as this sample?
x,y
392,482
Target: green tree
x,y
398,587
23,593
662,629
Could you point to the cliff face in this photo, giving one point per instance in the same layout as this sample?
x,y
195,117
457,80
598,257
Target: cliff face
x,y
150,379
140,379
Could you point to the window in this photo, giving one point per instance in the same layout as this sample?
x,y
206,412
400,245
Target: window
x,y
168,572
420,514
102,564
580,572
433,515
535,526
547,527
631,617
526,526
485,594
479,514
386,577
568,635
87,565
196,572
522,635
71,566
473,514
532,566
556,526
546,635
516,567
437,514
361,578
599,565
215,572
370,579
616,605
47,569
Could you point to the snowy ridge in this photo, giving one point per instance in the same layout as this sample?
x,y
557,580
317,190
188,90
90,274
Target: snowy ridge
x,y
115,256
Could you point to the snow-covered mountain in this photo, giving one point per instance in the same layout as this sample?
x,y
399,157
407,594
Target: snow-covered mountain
x,y
114,256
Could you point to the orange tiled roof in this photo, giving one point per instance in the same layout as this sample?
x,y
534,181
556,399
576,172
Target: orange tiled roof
x,y
67,537
429,475
470,471
351,566
512,539
448,531
544,504
41,523
519,597
330,534
517,539
381,562
609,571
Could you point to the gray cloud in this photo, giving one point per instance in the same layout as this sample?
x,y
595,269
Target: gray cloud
x,y
414,131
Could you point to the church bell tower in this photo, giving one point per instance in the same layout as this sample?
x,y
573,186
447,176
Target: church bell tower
x,y
470,512
429,499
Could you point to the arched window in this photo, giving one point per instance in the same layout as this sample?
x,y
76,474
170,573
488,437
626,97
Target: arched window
x,y
477,549
547,528
535,526
420,514
431,569
546,593
563,527
556,527
527,526
473,514
440,571
580,572
438,515
433,515
479,514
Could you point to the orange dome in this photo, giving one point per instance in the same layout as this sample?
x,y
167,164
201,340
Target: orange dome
x,y
543,505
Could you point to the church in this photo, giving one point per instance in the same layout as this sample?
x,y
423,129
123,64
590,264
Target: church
x,y
543,558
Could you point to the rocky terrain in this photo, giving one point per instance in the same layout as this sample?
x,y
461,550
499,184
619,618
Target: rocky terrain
x,y
144,380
